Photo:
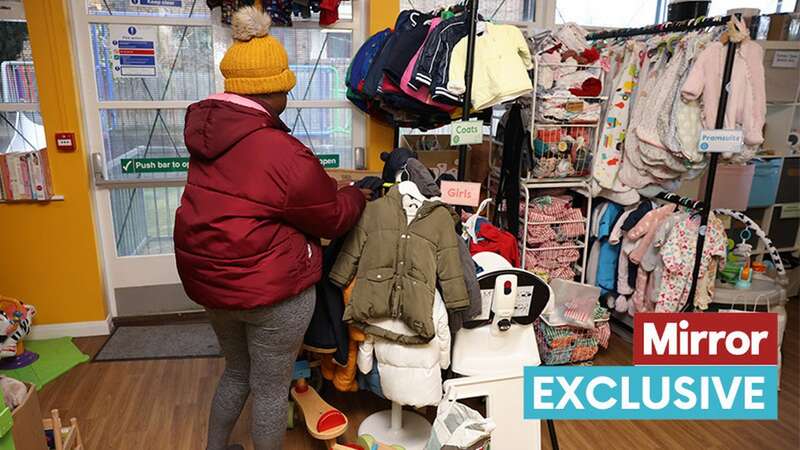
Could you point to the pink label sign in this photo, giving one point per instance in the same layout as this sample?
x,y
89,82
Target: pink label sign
x,y
461,193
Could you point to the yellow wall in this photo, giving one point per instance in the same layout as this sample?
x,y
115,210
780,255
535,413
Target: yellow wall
x,y
380,137
48,252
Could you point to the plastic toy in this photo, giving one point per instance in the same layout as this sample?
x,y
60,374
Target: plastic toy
x,y
745,279
738,261
781,277
15,324
367,442
324,422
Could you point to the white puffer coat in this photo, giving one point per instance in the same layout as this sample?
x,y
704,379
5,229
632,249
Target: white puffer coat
x,y
410,374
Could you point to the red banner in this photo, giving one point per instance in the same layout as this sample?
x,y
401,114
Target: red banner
x,y
705,339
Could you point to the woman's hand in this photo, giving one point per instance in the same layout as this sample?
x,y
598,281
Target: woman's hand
x,y
368,193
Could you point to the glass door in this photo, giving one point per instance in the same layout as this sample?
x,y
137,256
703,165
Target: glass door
x,y
142,66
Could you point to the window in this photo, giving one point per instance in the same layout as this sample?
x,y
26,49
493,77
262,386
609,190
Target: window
x,y
637,13
720,7
496,10
21,128
623,14
143,117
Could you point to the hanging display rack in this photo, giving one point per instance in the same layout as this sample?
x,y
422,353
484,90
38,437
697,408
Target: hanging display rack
x,y
669,27
472,17
471,12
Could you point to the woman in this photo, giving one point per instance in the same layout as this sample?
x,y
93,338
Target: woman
x,y
247,232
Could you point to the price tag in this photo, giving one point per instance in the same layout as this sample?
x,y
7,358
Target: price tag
x,y
721,141
574,107
786,60
790,211
468,132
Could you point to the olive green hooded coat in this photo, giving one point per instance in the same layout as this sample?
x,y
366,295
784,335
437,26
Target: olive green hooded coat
x,y
397,265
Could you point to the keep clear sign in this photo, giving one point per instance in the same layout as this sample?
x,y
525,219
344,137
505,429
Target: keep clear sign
x,y
158,3
134,51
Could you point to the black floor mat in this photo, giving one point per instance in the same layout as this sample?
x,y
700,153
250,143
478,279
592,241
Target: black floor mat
x,y
191,340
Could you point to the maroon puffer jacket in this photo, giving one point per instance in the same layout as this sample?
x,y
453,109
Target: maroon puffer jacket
x,y
256,203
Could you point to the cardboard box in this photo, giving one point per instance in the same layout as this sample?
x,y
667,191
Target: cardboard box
x,y
435,152
351,174
27,429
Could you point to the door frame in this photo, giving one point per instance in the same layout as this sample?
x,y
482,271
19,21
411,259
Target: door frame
x,y
155,270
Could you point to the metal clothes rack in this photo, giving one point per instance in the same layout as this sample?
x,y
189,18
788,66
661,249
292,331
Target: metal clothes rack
x,y
669,27
682,201
471,12
472,17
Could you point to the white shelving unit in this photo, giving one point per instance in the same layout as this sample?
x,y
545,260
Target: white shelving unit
x,y
531,183
537,124
783,117
580,187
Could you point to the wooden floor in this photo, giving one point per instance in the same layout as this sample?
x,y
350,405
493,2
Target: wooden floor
x,y
164,404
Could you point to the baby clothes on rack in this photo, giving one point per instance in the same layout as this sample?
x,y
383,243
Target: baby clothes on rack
x,y
678,254
651,131
747,105
602,267
402,76
655,257
502,74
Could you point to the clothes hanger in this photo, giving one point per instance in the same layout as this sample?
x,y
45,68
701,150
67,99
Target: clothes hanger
x,y
411,189
471,222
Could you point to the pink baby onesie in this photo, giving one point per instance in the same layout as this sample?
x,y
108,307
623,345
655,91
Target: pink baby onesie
x,y
678,255
646,230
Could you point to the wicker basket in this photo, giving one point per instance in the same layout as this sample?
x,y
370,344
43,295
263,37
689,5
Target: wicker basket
x,y
567,344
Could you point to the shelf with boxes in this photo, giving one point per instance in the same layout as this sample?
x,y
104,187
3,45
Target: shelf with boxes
x,y
774,198
25,177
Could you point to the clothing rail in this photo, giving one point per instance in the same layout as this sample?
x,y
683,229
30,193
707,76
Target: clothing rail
x,y
688,25
667,27
471,12
682,201
472,16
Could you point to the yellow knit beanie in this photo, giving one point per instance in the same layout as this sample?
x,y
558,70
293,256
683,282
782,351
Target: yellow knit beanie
x,y
256,63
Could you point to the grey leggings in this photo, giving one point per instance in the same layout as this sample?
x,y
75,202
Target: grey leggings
x,y
260,346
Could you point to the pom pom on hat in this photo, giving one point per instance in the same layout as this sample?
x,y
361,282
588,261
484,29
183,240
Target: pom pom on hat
x,y
256,63
250,22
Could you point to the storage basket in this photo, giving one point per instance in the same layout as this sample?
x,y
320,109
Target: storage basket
x,y
766,176
567,344
562,151
732,186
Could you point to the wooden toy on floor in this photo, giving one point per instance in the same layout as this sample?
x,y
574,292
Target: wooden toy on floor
x,y
64,438
324,422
